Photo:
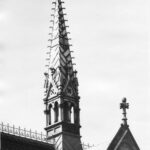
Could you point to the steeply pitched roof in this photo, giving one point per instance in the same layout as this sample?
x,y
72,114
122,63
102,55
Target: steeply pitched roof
x,y
123,139
12,142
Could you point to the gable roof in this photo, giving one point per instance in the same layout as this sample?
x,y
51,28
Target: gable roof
x,y
123,138
13,142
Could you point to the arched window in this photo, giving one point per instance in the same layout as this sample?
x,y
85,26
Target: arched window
x,y
56,112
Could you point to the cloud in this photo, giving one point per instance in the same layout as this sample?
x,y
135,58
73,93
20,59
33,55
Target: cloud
x,y
1,16
4,87
3,4
2,47
99,86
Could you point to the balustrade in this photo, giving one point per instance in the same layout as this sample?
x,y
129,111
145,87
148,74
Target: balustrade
x,y
6,128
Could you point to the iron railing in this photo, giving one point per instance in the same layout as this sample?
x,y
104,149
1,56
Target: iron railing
x,y
34,135
87,146
6,128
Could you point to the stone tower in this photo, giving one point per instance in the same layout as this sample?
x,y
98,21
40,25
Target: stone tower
x,y
61,87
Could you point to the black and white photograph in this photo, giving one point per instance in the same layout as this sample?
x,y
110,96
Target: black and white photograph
x,y
74,75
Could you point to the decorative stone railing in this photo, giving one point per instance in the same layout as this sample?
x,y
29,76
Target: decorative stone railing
x,y
23,133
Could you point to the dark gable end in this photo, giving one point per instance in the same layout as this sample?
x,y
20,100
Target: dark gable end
x,y
123,140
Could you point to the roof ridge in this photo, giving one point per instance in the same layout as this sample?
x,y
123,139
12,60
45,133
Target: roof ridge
x,y
18,131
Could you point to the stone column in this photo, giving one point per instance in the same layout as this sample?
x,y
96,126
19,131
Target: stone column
x,y
59,113
62,112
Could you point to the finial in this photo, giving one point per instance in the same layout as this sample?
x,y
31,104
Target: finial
x,y
124,105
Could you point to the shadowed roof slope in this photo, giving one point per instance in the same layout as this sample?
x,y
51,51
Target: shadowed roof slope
x,y
12,142
123,140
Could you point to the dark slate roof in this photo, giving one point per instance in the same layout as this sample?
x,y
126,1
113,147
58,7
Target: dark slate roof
x,y
123,138
13,142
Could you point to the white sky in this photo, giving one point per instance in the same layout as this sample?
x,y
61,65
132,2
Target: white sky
x,y
111,43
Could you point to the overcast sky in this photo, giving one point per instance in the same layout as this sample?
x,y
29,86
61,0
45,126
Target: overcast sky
x,y
111,46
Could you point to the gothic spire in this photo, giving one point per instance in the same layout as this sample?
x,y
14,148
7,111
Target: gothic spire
x,y
60,77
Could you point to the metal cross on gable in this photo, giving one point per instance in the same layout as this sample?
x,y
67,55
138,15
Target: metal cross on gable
x,y
124,105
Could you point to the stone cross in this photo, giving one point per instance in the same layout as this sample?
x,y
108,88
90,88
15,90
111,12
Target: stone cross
x,y
124,105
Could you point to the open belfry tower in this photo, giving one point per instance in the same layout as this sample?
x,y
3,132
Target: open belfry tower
x,y
61,87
